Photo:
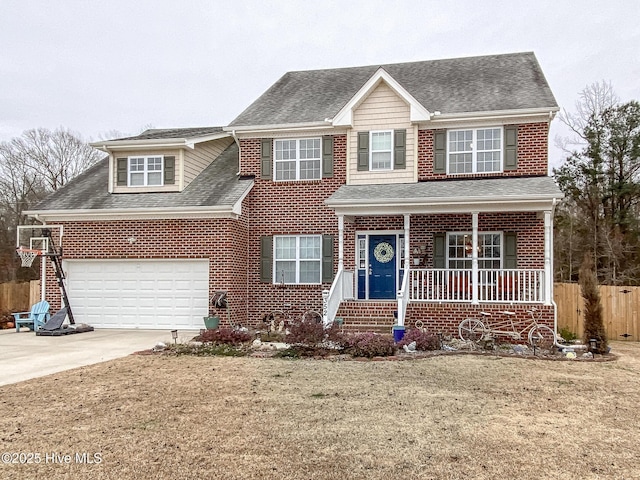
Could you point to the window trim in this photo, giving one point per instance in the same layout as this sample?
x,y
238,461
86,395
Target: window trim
x,y
146,171
297,160
474,151
371,151
297,260
470,234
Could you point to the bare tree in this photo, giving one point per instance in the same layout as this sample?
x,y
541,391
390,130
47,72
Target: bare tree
x,y
592,101
601,182
32,166
56,157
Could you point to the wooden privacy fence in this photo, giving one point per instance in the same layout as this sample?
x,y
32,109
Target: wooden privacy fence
x,y
18,297
620,308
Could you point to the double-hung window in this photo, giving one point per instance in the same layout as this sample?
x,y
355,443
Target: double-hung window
x,y
381,153
297,259
298,159
475,150
145,171
460,250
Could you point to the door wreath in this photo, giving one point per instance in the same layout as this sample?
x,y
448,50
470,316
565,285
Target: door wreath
x,y
383,252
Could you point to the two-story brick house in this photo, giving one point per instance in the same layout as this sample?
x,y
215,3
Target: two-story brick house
x,y
420,188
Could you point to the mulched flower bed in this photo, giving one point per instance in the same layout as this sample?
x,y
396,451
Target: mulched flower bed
x,y
450,347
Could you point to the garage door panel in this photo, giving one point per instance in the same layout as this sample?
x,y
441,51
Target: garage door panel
x,y
139,294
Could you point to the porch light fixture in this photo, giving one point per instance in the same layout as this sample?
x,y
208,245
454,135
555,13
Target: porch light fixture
x,y
174,335
416,256
131,240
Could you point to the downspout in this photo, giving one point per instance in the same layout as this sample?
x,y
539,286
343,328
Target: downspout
x,y
235,137
248,215
553,302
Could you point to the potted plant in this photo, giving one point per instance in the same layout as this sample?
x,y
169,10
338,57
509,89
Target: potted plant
x,y
212,322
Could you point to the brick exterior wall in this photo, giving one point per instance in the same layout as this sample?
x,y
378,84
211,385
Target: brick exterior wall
x,y
223,241
283,208
532,154
297,207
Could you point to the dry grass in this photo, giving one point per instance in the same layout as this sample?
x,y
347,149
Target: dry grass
x,y
444,417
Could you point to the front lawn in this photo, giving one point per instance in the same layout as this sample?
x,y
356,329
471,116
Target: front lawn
x,y
443,417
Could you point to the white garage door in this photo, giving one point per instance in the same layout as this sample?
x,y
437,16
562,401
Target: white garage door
x,y
159,294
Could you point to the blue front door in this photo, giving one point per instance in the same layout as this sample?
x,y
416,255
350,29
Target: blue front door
x,y
382,266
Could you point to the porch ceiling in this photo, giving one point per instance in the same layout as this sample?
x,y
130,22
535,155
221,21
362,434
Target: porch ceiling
x,y
448,196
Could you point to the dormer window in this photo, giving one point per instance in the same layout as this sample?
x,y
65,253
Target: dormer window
x,y
381,150
145,171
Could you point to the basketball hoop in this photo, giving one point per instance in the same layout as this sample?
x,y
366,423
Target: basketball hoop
x,y
28,255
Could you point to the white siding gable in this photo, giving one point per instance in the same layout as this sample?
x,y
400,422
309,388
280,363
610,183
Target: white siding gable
x,y
382,109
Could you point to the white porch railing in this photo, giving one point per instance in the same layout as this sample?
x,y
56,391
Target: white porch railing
x,y
445,285
341,289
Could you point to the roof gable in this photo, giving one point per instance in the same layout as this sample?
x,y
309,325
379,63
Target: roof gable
x,y
417,112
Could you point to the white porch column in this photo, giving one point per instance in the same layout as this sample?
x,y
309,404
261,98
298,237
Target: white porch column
x,y
474,259
548,273
407,249
340,242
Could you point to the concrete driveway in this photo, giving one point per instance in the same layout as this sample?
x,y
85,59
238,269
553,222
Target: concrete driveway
x,y
24,355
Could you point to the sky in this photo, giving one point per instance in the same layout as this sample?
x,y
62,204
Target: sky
x,y
102,69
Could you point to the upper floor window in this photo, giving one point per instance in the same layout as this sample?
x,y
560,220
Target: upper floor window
x,y
298,159
145,171
381,150
475,150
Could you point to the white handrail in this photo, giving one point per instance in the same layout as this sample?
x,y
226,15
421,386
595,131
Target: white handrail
x,y
331,299
403,299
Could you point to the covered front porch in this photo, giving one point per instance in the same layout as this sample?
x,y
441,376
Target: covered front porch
x,y
413,244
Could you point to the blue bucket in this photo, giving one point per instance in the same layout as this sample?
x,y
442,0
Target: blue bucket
x,y
398,333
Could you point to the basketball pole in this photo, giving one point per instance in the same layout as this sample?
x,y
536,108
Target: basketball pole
x,y
43,277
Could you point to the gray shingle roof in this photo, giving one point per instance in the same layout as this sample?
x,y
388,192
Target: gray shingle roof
x,y
472,84
162,133
217,185
444,191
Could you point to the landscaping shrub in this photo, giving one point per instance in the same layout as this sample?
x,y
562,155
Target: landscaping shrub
x,y
369,345
424,341
229,336
312,333
567,334
593,321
